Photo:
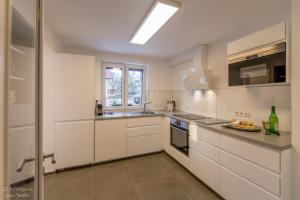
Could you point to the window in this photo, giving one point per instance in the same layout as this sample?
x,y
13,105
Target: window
x,y
124,85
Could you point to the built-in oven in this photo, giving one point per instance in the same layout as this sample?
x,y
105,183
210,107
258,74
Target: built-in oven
x,y
265,65
180,135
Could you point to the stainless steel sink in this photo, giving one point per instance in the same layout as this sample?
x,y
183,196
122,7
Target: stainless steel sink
x,y
142,113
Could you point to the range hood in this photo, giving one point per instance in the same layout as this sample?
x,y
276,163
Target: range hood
x,y
196,76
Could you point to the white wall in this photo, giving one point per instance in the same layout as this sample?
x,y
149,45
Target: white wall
x,y
159,78
296,96
2,94
223,101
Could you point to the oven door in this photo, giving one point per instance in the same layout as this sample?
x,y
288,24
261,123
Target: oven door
x,y
180,139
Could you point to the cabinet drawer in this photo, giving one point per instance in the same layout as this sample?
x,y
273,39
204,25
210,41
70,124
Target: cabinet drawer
x,y
146,130
208,136
256,154
234,187
205,169
143,121
143,144
205,149
180,157
255,174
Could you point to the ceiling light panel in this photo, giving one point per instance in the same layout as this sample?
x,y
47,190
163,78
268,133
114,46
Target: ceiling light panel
x,y
160,13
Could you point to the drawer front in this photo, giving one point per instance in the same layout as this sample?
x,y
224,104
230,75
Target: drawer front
x,y
208,136
255,174
233,187
205,169
205,149
143,144
143,121
146,130
256,154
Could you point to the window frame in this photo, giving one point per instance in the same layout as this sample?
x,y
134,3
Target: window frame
x,y
125,68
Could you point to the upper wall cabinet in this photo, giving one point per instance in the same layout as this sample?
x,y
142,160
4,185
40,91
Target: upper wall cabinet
x,y
75,82
266,36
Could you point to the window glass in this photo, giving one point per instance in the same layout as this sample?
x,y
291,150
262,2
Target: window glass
x,y
113,86
135,86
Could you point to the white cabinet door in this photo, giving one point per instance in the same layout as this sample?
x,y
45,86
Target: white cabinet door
x,y
74,143
266,36
74,87
205,169
144,144
110,139
166,133
233,187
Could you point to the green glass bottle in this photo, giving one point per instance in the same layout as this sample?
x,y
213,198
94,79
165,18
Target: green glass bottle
x,y
273,122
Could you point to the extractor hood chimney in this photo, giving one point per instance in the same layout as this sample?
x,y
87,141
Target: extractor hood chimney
x,y
197,76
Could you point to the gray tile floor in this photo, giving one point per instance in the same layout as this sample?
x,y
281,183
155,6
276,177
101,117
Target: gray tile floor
x,y
152,177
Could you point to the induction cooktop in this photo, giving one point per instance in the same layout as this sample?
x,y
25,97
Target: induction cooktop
x,y
191,116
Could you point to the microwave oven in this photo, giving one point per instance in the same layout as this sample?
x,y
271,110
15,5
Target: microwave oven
x,y
266,65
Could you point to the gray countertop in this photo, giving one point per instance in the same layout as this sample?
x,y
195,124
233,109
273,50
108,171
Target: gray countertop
x,y
275,142
126,115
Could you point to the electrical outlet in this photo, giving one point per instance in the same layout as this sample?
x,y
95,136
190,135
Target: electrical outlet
x,y
242,114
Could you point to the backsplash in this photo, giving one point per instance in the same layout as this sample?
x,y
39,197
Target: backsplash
x,y
159,99
224,103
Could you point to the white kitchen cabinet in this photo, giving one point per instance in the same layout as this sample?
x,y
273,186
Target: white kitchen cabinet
x,y
234,187
205,169
144,135
143,131
263,37
144,144
261,156
258,175
74,87
143,121
74,143
208,136
166,133
179,156
110,139
205,149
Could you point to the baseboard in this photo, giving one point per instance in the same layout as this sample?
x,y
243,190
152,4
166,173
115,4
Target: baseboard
x,y
104,162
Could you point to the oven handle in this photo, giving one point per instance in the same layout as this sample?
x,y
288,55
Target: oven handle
x,y
180,129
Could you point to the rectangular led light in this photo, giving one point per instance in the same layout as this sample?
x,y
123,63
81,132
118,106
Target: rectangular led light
x,y
160,13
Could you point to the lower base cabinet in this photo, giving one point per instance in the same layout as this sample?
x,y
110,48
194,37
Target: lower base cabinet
x,y
234,187
143,144
205,169
74,143
110,139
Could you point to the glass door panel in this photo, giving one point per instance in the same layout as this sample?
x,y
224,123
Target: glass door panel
x,y
23,95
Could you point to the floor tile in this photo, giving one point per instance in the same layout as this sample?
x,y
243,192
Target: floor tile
x,y
152,177
161,189
145,169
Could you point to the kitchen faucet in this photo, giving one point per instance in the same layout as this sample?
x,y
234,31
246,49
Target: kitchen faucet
x,y
145,104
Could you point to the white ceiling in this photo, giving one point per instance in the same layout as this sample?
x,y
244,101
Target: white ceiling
x,y
108,25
